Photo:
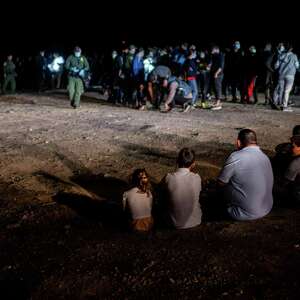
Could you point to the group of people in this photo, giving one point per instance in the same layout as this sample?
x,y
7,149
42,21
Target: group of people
x,y
245,185
188,77
182,75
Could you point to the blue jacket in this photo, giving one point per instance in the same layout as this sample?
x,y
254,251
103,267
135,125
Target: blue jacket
x,y
137,66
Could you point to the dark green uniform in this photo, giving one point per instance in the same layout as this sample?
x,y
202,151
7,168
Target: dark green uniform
x,y
74,66
9,76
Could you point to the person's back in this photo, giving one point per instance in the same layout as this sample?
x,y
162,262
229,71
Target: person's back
x,y
287,64
138,200
249,178
183,187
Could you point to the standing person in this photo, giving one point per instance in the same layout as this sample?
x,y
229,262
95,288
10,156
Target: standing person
x,y
138,200
138,72
183,188
56,68
250,73
190,70
268,72
77,67
247,180
10,75
127,71
117,78
203,76
216,75
234,69
286,65
40,69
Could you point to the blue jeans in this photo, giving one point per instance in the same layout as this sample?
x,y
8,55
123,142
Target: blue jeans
x,y
194,87
282,90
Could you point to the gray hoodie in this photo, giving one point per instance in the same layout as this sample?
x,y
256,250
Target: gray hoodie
x,y
287,64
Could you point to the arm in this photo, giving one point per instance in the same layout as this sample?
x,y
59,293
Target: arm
x,y
86,64
172,92
68,63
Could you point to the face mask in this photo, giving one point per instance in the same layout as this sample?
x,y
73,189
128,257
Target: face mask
x,y
77,54
237,46
281,49
114,55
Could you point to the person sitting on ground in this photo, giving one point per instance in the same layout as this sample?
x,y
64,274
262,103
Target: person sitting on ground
x,y
284,155
183,191
292,174
247,180
287,167
138,200
179,92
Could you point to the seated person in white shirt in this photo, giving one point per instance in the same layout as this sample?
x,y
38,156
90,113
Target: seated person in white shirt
x,y
183,190
247,178
138,201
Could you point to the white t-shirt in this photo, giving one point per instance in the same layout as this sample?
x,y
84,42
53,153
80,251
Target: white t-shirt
x,y
184,189
249,175
140,204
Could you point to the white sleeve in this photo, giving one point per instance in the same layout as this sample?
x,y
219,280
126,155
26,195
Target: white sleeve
x,y
124,201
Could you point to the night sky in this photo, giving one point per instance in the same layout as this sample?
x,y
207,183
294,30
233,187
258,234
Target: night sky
x,y
63,24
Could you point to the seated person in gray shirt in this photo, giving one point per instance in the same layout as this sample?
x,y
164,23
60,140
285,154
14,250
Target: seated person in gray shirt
x,y
292,174
247,178
183,190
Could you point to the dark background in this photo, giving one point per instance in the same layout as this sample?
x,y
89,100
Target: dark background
x,y
100,25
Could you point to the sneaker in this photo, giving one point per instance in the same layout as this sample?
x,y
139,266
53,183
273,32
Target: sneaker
x,y
205,105
275,106
198,104
186,107
291,103
217,107
287,109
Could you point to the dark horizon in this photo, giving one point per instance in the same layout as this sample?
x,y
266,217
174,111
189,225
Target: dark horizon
x,y
63,25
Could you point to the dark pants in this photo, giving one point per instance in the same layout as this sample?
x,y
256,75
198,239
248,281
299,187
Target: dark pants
x,y
235,85
269,86
217,86
203,84
181,100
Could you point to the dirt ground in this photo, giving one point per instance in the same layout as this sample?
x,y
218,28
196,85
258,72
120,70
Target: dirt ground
x,y
62,174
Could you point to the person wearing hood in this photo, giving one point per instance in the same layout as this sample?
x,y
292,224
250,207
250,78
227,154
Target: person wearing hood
x,y
286,66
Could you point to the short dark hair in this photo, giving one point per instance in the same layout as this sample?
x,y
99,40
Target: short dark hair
x,y
186,158
296,130
296,140
247,137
